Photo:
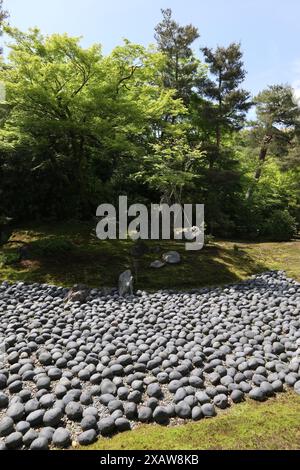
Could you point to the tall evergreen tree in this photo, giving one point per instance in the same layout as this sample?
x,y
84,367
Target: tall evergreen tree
x,y
276,129
182,67
227,104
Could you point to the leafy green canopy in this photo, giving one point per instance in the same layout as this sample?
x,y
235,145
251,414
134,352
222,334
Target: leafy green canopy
x,y
80,113
79,128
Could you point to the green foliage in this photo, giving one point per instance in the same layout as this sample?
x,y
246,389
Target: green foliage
x,y
275,106
225,104
73,117
5,229
209,239
79,128
182,69
171,168
280,226
51,247
276,130
99,264
9,258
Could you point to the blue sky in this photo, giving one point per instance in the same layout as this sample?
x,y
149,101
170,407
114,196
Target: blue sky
x,y
267,29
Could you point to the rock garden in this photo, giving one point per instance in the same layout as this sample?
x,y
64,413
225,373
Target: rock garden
x,y
72,372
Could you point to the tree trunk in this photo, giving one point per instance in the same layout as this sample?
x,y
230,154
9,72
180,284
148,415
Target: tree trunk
x,y
80,161
262,158
218,125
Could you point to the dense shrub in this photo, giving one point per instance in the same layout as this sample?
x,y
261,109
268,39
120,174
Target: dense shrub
x,y
51,247
9,258
280,226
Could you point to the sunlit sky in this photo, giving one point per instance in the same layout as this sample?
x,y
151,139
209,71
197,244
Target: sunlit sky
x,y
267,29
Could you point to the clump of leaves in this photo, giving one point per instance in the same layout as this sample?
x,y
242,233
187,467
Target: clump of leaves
x,y
209,239
281,226
51,247
9,258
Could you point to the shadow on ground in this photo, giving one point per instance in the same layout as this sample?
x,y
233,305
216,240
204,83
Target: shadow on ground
x,y
68,254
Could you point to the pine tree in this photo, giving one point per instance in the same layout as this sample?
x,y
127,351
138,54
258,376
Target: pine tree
x,y
227,103
182,67
276,129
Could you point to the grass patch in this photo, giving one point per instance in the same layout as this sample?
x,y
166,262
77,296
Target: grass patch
x,y
68,254
249,426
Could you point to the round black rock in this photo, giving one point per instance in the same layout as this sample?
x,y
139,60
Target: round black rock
x,y
208,410
237,396
61,438
183,410
22,427
122,425
89,422
41,443
3,400
74,411
52,417
221,401
29,437
197,413
16,412
161,415
257,394
6,426
3,381
14,441
154,390
45,358
35,418
87,438
47,433
106,426
130,410
144,414
297,387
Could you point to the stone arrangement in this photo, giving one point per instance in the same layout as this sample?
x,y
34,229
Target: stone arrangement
x,y
70,375
172,257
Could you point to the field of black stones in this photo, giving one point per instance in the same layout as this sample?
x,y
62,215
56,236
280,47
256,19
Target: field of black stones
x,y
69,375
